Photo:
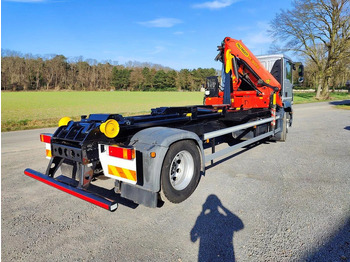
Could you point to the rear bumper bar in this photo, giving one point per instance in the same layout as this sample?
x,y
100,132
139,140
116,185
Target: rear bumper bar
x,y
80,193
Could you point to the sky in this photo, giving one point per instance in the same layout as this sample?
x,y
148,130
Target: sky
x,y
174,33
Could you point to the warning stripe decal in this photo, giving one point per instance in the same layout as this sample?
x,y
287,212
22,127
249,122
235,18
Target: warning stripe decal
x,y
122,172
48,153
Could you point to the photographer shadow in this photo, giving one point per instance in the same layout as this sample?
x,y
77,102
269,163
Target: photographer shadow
x,y
215,227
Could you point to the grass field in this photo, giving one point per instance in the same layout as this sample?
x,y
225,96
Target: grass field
x,y
28,110
301,98
346,107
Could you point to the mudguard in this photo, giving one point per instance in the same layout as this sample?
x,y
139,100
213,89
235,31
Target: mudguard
x,y
158,140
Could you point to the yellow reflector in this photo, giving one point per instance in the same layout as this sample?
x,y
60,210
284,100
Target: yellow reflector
x,y
48,153
64,121
110,128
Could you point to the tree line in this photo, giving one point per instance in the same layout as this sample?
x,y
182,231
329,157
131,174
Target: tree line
x,y
56,72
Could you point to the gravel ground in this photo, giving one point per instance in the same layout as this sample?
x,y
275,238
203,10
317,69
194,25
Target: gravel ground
x,y
273,202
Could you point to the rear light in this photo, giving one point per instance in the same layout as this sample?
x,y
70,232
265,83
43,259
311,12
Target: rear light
x,y
46,138
120,152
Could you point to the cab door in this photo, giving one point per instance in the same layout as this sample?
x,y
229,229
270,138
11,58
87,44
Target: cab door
x,y
287,86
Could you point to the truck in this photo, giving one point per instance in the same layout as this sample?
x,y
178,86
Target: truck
x,y
161,156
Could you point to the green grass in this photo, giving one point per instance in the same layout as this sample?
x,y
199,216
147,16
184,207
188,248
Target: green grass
x,y
345,106
301,98
27,110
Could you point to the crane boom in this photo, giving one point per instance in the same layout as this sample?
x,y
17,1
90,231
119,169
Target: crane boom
x,y
247,84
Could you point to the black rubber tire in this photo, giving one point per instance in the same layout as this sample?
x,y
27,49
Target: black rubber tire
x,y
170,164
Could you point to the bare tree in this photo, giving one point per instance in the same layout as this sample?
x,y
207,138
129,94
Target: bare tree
x,y
105,73
136,78
341,73
319,30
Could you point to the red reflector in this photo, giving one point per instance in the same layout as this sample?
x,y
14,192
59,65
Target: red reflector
x,y
125,153
46,138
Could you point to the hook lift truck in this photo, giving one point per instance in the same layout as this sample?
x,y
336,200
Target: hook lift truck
x,y
160,156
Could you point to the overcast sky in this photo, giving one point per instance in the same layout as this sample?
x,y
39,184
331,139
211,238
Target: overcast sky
x,y
175,33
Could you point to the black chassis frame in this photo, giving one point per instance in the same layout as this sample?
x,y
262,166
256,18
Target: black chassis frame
x,y
76,144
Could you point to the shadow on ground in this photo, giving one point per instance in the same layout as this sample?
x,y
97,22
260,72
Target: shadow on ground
x,y
339,103
337,248
214,229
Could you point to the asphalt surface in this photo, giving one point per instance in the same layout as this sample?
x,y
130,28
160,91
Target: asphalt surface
x,y
273,202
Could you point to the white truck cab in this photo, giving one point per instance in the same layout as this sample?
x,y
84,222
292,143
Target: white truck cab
x,y
281,67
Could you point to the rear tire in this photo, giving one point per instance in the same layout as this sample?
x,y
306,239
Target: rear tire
x,y
180,171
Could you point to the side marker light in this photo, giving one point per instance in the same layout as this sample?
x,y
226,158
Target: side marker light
x,y
153,154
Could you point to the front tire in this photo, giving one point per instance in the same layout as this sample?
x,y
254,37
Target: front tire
x,y
180,171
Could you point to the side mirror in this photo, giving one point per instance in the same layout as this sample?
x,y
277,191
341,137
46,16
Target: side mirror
x,y
301,70
301,73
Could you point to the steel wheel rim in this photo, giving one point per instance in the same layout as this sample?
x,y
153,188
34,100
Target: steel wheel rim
x,y
181,170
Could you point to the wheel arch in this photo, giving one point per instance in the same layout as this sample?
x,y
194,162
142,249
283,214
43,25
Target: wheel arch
x,y
199,148
159,140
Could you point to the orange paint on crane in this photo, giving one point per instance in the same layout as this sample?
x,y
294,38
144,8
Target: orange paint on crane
x,y
247,89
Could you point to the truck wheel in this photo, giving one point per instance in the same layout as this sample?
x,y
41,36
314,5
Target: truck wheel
x,y
180,171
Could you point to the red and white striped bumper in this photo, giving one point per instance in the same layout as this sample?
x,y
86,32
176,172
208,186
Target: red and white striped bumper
x,y
80,193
